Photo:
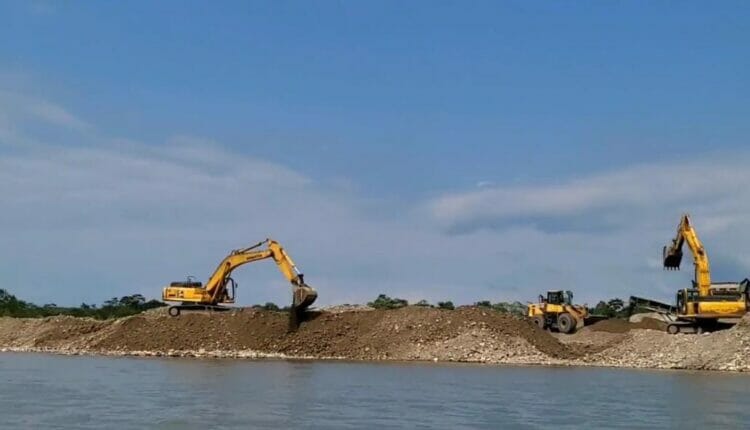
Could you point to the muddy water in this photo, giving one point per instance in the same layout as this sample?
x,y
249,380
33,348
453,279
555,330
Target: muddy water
x,y
55,392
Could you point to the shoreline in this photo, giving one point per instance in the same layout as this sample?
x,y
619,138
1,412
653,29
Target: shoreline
x,y
408,335
246,355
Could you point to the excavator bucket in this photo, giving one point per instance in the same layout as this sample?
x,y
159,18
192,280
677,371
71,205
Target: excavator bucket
x,y
672,258
302,297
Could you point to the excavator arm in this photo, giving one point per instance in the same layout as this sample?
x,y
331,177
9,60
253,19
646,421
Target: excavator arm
x,y
673,255
214,292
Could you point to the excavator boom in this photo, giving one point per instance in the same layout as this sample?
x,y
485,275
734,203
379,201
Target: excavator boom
x,y
219,289
673,255
703,305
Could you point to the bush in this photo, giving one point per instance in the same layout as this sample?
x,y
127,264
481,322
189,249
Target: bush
x,y
515,308
423,303
385,302
446,305
614,308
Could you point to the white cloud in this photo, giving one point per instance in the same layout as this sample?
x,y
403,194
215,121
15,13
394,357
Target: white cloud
x,y
54,114
23,116
611,197
113,217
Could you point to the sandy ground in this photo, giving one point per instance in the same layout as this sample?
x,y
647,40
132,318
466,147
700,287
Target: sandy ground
x,y
412,334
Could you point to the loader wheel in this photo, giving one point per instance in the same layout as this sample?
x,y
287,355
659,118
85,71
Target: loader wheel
x,y
174,311
566,323
539,321
673,329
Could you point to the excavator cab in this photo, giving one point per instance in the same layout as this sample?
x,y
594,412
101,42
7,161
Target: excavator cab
x,y
230,288
189,283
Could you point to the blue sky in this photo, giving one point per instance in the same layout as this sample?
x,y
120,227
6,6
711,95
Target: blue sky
x,y
430,149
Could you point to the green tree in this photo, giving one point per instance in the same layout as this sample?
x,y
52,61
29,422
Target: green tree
x,y
270,306
385,302
616,305
134,300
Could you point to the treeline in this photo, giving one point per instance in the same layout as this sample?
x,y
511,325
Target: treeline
x,y
613,308
385,302
115,307
10,306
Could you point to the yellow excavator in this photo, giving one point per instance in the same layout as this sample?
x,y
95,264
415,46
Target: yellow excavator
x,y
220,288
557,312
699,308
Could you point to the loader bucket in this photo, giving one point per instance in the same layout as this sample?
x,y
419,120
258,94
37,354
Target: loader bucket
x,y
672,259
302,297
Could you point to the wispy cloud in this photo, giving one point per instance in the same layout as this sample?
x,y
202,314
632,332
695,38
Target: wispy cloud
x,y
599,201
17,108
54,114
115,216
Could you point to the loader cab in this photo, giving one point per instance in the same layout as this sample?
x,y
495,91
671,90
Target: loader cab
x,y
559,297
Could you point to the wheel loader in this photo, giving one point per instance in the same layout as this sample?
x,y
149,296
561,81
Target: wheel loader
x,y
557,312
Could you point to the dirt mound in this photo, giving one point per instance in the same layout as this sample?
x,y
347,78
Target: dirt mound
x,y
51,332
650,324
743,325
413,333
359,335
612,326
623,326
402,334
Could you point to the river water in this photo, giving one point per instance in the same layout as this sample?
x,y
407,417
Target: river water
x,y
58,392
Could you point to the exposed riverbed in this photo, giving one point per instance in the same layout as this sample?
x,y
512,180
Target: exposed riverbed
x,y
410,334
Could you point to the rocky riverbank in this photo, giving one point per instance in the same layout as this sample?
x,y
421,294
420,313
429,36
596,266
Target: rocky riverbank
x,y
408,334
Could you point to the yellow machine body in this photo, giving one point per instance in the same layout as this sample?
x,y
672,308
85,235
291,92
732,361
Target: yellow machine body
x,y
704,303
220,287
557,311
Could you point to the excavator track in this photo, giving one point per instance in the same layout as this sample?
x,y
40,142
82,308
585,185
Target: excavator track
x,y
177,309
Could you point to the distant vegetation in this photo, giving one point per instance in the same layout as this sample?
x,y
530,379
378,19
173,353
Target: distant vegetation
x,y
446,305
115,307
613,308
385,302
130,305
515,308
270,306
